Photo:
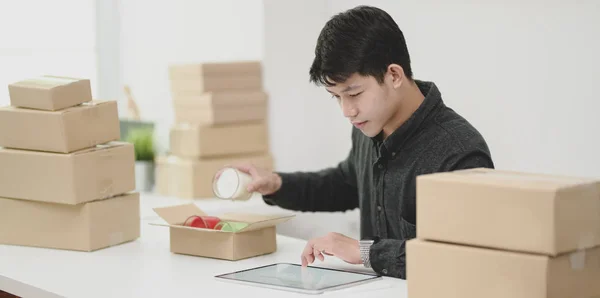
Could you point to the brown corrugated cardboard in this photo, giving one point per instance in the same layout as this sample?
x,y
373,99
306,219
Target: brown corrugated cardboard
x,y
253,68
454,271
74,178
86,227
192,178
197,86
50,92
509,210
63,131
221,108
258,238
195,79
219,140
225,98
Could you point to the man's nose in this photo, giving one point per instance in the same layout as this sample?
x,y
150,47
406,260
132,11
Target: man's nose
x,y
348,109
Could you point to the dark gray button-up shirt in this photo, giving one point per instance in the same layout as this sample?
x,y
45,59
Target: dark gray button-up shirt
x,y
379,177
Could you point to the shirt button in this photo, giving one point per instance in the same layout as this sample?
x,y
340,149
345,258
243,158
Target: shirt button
x,y
384,271
380,166
393,153
379,208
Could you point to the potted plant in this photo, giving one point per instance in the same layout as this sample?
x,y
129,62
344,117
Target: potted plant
x,y
143,143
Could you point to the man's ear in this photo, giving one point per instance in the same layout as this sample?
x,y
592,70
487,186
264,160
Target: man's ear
x,y
396,72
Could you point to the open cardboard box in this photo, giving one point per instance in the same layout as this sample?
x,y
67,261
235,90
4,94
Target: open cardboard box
x,y
257,238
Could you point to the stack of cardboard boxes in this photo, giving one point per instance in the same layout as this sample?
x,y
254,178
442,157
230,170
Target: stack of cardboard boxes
x,y
497,234
64,182
220,119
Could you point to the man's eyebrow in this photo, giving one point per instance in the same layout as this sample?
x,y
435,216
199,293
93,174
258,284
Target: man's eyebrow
x,y
349,88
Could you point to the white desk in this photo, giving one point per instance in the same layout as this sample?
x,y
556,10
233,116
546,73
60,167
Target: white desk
x,y
146,268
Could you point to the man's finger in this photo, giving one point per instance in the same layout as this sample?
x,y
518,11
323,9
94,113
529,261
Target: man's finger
x,y
255,185
244,167
318,254
307,252
307,259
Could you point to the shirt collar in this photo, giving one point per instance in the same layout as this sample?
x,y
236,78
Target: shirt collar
x,y
432,102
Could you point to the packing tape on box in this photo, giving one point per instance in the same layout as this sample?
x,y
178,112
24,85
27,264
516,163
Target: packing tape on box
x,y
89,103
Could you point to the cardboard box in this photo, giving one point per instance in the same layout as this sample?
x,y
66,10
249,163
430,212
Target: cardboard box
x,y
251,68
195,79
64,131
197,86
50,93
192,178
258,238
453,271
221,108
85,227
509,210
197,141
83,176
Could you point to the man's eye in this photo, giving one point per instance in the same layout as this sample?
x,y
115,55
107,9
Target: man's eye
x,y
355,95
332,96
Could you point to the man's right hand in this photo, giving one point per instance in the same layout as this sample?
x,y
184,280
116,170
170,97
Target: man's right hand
x,y
263,181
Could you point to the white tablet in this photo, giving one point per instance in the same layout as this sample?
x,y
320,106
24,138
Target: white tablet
x,y
294,277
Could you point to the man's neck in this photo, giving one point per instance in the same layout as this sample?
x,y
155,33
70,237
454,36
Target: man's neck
x,y
407,107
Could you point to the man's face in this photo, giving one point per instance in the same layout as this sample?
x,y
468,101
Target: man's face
x,y
366,103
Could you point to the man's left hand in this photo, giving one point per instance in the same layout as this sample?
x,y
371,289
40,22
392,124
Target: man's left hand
x,y
332,244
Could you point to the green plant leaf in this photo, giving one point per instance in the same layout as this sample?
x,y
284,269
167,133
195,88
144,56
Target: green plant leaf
x,y
143,143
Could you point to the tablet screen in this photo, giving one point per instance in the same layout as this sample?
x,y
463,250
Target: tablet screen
x,y
298,277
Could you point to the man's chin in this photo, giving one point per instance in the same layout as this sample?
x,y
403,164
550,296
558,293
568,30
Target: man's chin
x,y
369,132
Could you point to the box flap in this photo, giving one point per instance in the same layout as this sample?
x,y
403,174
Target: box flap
x,y
511,178
256,221
176,215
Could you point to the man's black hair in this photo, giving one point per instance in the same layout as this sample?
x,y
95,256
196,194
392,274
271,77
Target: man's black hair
x,y
363,40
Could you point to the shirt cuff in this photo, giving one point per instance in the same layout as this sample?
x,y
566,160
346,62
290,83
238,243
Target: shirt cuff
x,y
388,257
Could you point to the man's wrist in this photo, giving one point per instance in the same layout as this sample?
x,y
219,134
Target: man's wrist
x,y
278,182
365,250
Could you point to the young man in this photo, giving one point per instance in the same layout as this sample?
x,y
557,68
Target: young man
x,y
402,129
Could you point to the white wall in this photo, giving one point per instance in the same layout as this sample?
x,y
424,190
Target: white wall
x,y
39,37
155,34
523,72
308,131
